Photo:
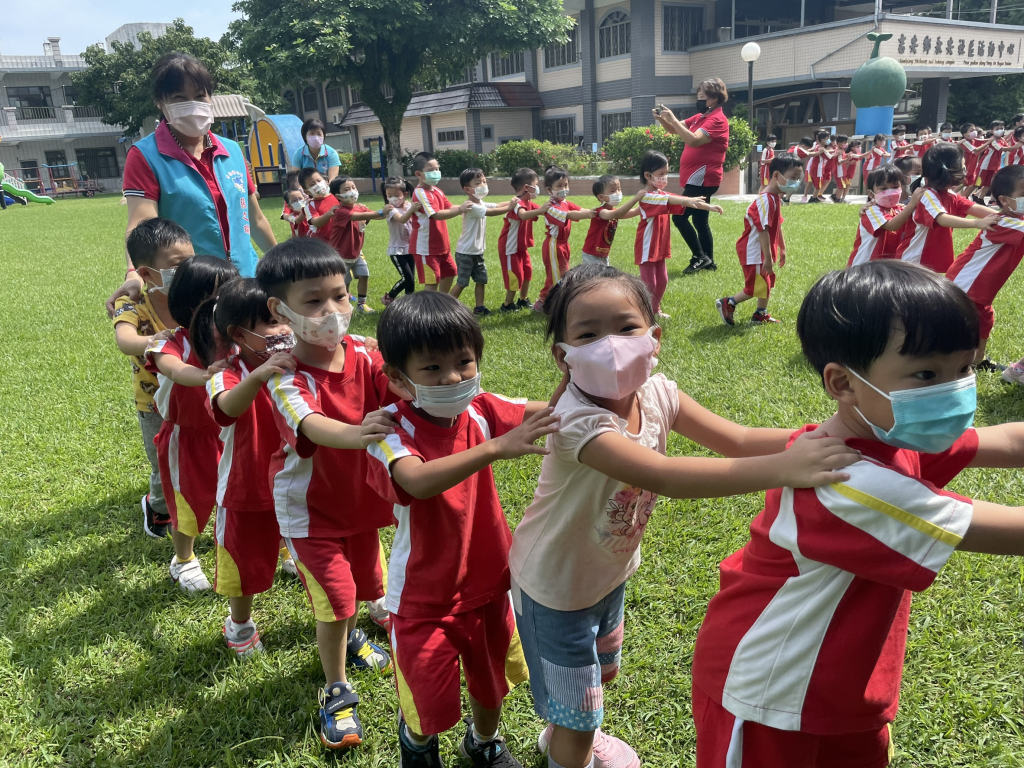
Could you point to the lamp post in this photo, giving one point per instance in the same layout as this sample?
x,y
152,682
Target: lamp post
x,y
750,53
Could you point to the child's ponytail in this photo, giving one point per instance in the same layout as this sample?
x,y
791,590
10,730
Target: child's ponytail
x,y
203,333
240,303
942,165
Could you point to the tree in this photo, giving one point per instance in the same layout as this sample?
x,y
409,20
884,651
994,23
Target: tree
x,y
380,46
117,83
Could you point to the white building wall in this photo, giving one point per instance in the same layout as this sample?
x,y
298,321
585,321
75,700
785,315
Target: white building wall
x,y
614,69
556,79
507,124
575,111
449,121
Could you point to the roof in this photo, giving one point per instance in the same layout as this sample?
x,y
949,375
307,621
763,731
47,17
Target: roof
x,y
229,106
475,96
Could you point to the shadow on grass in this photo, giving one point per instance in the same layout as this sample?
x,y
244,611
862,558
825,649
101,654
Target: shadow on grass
x,y
720,333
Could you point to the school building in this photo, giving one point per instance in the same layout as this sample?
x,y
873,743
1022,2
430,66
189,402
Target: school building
x,y
622,58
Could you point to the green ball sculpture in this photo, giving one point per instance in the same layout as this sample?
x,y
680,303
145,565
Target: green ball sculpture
x,y
877,86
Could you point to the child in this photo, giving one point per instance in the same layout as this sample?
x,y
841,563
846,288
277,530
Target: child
x,y
804,151
469,250
925,138
759,252
799,659
188,444
156,248
945,134
429,238
971,144
837,169
580,538
820,166
327,513
877,156
601,235
883,218
909,167
452,540
348,224
991,160
851,159
559,217
766,157
983,269
516,239
653,247
1014,151
899,146
940,210
321,202
238,324
296,212
399,192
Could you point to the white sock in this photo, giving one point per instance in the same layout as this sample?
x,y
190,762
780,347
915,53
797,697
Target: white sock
x,y
479,739
553,764
413,740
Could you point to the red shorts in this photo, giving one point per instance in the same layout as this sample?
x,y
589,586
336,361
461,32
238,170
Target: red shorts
x,y
431,270
986,319
338,571
556,264
765,175
755,283
188,467
427,676
986,178
248,546
516,269
723,741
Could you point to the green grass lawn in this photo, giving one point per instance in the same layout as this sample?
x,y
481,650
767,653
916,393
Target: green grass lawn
x,y
104,662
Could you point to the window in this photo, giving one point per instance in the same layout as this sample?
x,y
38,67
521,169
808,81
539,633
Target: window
x,y
309,99
452,136
682,27
98,163
33,102
613,123
289,97
366,142
510,64
563,54
561,130
387,90
615,35
70,94
357,97
488,132
334,96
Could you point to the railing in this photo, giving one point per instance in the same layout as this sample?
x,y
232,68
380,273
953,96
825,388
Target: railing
x,y
87,113
35,113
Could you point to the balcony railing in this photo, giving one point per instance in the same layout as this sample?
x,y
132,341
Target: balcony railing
x,y
35,113
87,113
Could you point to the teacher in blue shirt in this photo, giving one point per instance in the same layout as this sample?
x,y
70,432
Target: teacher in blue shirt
x,y
314,153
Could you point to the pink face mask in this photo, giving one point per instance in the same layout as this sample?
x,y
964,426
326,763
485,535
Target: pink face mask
x,y
659,182
613,367
888,198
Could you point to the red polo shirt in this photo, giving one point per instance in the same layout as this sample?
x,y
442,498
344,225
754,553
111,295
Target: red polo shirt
x,y
702,166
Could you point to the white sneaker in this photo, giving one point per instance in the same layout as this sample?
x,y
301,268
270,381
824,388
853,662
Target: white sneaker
x,y
288,564
189,576
243,639
379,613
609,752
1014,374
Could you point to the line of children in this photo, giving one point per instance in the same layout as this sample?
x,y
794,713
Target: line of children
x,y
428,241
884,219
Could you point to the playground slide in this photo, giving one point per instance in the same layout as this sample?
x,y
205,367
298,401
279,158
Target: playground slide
x,y
32,197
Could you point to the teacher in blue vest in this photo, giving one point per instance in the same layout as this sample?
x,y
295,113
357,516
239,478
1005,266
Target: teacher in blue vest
x,y
314,153
185,173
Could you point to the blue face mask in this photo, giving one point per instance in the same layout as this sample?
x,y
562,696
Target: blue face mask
x,y
790,185
928,419
432,177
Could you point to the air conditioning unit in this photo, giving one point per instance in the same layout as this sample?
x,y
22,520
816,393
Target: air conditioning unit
x,y
337,117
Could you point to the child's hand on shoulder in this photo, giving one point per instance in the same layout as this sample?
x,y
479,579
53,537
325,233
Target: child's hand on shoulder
x,y
376,426
161,336
988,222
466,205
217,366
370,343
521,440
279,362
813,458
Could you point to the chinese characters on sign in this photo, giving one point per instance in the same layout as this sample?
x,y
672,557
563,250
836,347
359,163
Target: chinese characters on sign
x,y
943,50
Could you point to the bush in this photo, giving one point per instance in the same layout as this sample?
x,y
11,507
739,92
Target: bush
x,y
625,148
454,161
346,163
741,141
359,167
510,157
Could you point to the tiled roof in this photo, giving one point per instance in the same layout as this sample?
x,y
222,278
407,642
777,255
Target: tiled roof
x,y
476,96
229,106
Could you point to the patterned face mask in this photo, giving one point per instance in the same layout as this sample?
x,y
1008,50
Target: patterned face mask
x,y
278,342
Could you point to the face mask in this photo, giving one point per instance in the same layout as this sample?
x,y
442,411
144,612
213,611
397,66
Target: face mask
x,y
913,179
928,419
395,201
431,177
351,196
887,198
997,132
946,135
189,118
972,134
448,400
1018,204
532,190
790,185
613,367
482,191
320,189
615,198
562,193
166,277
771,144
295,206
279,342
314,142
324,331
659,182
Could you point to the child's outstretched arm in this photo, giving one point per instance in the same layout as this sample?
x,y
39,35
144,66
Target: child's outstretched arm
x,y
990,219
1000,446
901,218
331,433
372,215
180,372
236,401
695,202
707,428
994,530
451,213
624,211
499,210
536,213
413,207
129,342
319,221
585,213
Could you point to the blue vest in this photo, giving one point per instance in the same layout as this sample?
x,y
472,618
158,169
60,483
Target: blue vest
x,y
186,200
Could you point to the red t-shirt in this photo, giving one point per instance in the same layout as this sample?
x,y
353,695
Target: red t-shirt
x,y
429,236
983,269
322,492
319,208
243,475
653,238
702,166
600,236
347,235
183,406
871,238
972,156
932,244
876,159
300,227
809,626
516,234
450,553
764,213
559,225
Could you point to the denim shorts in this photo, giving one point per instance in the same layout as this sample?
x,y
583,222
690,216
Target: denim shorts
x,y
571,654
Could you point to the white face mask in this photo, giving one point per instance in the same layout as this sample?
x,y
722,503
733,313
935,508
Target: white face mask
x,y
615,198
296,206
395,201
997,132
482,191
946,135
562,193
771,144
446,401
533,190
189,118
166,277
350,196
1018,204
320,189
972,134
326,331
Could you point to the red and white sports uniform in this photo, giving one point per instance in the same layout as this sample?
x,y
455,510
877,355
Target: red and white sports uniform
x,y
991,161
870,242
808,630
801,152
600,236
327,512
448,586
819,168
767,155
983,269
428,242
515,239
187,445
653,239
319,208
300,226
1014,156
972,159
850,161
875,159
248,537
837,168
347,235
932,244
920,147
900,148
556,253
764,213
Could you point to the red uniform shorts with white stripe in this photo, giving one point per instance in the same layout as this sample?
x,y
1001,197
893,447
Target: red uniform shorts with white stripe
x,y
339,571
986,319
427,653
516,269
556,264
724,741
986,178
248,545
188,473
431,270
757,284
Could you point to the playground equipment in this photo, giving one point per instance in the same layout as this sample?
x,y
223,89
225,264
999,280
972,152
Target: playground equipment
x,y
16,188
272,142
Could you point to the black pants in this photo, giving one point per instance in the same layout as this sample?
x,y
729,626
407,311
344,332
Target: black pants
x,y
697,234
404,264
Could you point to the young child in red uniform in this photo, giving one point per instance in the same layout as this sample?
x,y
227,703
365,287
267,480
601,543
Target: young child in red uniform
x,y
851,160
328,515
941,210
188,444
296,212
767,153
804,151
758,252
428,242
558,219
653,246
925,138
877,156
516,238
1014,152
971,144
601,235
799,660
991,160
820,165
899,146
452,604
883,218
321,201
237,324
837,167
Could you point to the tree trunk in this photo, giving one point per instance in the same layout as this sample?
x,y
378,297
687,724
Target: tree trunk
x,y
393,142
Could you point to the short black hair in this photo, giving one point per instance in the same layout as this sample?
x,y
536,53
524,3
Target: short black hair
x,y
397,182
943,165
899,129
821,134
884,174
849,315
783,163
239,303
652,161
469,174
586,277
806,141
300,258
150,237
553,174
292,191
1018,131
879,137
771,137
305,174
1006,180
1016,118
996,123
946,127
522,177
420,161
338,182
196,280
904,163
602,182
841,137
313,124
173,71
426,321
924,128
965,127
